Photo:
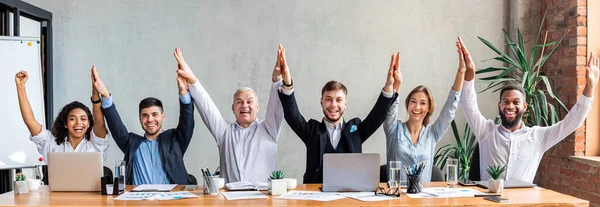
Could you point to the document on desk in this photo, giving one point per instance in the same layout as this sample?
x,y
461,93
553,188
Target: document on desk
x,y
244,195
246,185
154,188
444,192
136,196
367,196
311,195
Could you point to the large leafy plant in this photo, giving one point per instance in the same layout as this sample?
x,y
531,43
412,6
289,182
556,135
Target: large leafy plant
x,y
526,71
462,150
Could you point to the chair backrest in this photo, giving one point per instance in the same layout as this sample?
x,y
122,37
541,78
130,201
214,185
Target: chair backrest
x,y
192,180
383,177
436,174
474,174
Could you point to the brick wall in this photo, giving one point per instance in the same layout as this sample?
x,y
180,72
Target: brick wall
x,y
566,67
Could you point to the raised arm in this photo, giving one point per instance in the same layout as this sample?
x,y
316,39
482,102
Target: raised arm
x,y
274,115
390,125
207,109
115,124
468,100
378,114
26,113
99,127
290,107
185,127
575,118
448,112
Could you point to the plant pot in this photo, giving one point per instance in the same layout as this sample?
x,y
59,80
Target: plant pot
x,y
496,186
277,187
21,187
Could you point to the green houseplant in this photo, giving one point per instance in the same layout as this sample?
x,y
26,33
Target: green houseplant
x,y
524,70
20,184
462,150
496,184
277,185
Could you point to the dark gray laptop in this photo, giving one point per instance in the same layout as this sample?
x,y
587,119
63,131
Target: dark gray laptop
x,y
508,184
343,172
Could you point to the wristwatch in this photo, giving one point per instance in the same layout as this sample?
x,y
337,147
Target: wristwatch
x,y
96,102
290,85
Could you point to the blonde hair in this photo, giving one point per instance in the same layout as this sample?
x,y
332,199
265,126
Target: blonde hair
x,y
427,92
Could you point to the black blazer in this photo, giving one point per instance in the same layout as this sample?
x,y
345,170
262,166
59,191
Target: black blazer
x,y
315,136
172,143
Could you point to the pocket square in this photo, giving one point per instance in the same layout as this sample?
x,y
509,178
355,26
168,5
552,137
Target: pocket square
x,y
353,128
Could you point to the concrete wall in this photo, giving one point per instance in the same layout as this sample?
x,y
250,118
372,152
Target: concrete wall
x,y
233,43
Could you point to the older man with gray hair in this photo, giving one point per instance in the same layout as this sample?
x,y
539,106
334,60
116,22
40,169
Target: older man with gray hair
x,y
247,147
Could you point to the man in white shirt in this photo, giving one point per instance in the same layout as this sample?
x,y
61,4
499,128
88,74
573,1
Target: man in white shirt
x,y
511,143
247,147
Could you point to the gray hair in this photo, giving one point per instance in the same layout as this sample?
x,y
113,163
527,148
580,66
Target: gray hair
x,y
242,90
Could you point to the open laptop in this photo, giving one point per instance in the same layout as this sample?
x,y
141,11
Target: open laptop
x,y
508,184
350,172
74,171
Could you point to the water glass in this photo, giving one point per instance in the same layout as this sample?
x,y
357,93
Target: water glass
x,y
452,172
394,174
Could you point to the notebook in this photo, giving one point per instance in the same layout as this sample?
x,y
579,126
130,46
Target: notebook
x,y
508,184
247,185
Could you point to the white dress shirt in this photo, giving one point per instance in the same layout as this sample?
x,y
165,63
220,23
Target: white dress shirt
x,y
521,151
46,142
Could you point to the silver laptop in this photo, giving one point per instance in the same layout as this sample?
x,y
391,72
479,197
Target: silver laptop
x,y
350,172
74,171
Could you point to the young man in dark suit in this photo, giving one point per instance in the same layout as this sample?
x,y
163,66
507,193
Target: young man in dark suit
x,y
332,134
156,157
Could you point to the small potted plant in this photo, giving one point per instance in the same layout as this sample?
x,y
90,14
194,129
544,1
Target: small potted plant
x,y
495,184
20,185
277,185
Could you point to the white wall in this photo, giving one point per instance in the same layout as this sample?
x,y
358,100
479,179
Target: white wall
x,y
233,43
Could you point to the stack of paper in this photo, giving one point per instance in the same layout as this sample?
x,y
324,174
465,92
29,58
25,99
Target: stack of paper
x,y
310,195
130,196
444,192
154,188
246,185
368,196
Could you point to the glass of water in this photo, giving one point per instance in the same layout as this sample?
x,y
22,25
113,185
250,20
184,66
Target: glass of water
x,y
452,172
394,175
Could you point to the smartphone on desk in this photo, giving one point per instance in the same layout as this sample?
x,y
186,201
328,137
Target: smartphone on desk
x,y
467,183
496,199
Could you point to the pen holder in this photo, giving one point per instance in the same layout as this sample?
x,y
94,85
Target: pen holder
x,y
413,184
210,185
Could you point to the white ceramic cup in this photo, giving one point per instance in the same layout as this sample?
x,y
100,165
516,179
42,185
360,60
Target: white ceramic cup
x,y
34,184
221,182
291,183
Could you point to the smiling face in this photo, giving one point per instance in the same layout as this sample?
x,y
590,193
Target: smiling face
x,y
333,104
419,105
77,123
151,119
511,108
245,106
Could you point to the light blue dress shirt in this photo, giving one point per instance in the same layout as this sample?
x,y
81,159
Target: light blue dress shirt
x,y
400,147
147,163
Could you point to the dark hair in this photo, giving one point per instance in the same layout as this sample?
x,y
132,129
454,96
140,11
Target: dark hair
x,y
332,86
58,128
429,95
150,102
510,87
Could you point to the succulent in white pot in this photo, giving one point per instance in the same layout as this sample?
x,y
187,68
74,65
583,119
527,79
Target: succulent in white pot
x,y
20,184
277,185
495,184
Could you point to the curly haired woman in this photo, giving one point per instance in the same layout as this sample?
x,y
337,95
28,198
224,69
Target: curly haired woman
x,y
73,129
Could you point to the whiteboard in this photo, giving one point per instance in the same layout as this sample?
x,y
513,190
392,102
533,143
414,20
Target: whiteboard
x,y
16,54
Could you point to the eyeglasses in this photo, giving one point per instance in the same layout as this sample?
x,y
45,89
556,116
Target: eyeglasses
x,y
391,192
